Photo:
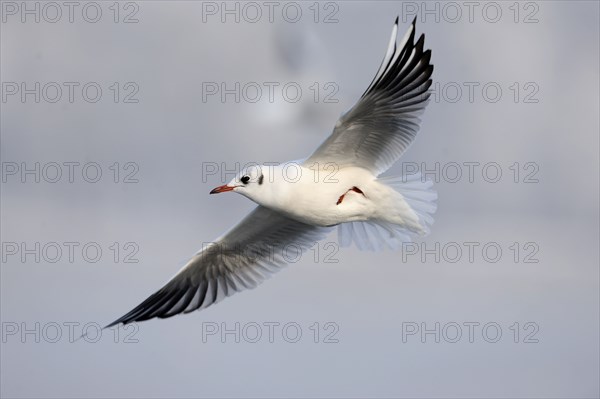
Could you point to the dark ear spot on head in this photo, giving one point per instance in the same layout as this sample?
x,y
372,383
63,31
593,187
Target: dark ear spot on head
x,y
260,179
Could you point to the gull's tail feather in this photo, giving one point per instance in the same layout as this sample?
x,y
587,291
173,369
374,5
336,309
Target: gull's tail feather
x,y
373,235
419,194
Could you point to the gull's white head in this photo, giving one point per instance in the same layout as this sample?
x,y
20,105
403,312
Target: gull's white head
x,y
249,182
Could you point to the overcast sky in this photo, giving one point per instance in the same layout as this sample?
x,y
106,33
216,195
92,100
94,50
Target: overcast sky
x,y
168,100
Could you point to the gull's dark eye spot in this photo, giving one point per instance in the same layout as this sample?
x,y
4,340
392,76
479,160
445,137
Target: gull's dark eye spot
x,y
245,179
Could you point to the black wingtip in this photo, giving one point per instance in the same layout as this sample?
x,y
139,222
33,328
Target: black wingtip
x,y
420,41
114,323
414,22
397,18
85,334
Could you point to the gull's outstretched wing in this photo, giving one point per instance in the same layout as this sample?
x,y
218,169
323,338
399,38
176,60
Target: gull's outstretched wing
x,y
249,253
379,128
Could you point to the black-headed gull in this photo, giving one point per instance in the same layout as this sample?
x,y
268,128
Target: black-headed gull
x,y
337,185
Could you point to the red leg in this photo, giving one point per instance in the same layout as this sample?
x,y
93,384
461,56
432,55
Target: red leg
x,y
355,189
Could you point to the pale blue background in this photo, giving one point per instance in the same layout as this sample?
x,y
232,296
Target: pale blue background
x,y
169,213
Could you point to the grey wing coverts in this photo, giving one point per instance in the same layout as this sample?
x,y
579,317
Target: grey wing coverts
x,y
384,122
245,256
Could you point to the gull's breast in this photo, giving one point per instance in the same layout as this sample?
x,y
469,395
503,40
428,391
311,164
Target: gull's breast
x,y
315,197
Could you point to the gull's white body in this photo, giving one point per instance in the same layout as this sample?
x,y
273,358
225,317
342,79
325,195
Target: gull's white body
x,y
338,185
310,194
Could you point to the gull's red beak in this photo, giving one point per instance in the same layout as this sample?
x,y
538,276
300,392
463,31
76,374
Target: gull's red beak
x,y
222,189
